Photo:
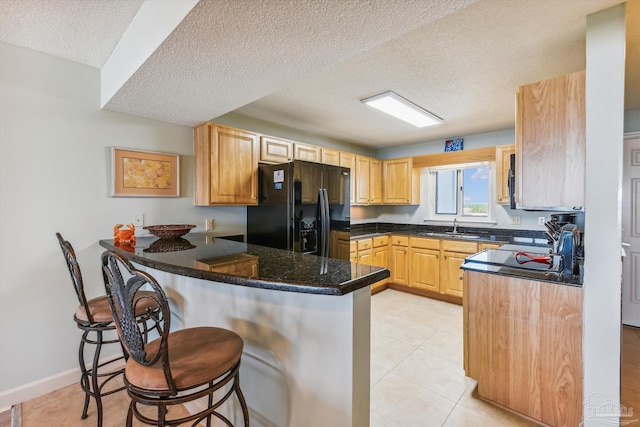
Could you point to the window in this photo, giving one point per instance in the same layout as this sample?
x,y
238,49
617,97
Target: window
x,y
462,191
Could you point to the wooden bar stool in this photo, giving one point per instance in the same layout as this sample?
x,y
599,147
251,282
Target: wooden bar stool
x,y
94,318
177,367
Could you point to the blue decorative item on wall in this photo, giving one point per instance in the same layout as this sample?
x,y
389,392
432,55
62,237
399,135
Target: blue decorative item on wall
x,y
453,144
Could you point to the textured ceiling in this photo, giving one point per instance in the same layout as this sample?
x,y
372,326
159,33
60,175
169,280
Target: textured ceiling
x,y
305,64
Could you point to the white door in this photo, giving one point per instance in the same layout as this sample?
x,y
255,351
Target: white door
x,y
631,232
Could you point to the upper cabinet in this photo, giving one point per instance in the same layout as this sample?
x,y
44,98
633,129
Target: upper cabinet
x,y
400,182
368,181
348,160
275,150
225,166
503,154
310,153
330,157
550,143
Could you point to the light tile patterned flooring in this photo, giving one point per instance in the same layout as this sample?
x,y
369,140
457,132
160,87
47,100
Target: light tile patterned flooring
x,y
417,375
417,379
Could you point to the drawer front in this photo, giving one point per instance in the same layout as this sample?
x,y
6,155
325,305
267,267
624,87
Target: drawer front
x,y
380,241
421,242
364,244
353,247
461,247
400,240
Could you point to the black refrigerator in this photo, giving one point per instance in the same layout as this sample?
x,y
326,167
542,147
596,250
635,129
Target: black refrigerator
x,y
299,205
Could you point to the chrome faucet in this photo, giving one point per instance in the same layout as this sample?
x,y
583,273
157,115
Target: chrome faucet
x,y
455,225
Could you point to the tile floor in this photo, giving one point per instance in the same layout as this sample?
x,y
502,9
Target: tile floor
x,y
417,376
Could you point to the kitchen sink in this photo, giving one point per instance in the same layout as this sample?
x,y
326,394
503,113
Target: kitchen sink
x,y
452,235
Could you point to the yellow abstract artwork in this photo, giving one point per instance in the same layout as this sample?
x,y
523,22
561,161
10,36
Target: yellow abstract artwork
x,y
141,173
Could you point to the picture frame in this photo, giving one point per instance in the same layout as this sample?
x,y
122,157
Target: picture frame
x,y
140,173
453,144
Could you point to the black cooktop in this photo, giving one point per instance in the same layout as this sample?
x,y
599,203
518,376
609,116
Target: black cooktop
x,y
507,258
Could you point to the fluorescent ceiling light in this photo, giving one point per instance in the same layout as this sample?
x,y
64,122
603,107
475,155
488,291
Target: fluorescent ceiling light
x,y
400,108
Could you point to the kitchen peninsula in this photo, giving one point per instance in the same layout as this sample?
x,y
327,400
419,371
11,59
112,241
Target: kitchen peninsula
x,y
304,319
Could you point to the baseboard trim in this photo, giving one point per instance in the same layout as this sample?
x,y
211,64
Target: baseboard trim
x,y
14,396
426,293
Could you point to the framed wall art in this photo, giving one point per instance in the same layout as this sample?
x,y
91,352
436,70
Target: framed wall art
x,y
137,173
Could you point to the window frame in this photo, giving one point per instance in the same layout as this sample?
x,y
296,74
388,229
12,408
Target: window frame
x,y
460,217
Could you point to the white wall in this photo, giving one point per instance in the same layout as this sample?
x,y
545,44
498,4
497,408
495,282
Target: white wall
x,y
605,49
417,214
53,177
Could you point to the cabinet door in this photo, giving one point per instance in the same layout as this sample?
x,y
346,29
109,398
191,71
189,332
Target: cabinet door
x,y
396,181
330,157
365,257
375,181
503,153
348,160
551,142
400,265
451,275
380,258
425,269
275,150
362,180
306,152
226,166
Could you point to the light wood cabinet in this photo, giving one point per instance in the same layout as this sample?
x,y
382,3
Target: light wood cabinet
x,y
275,150
400,260
523,344
309,153
380,257
503,154
400,182
278,150
454,253
368,181
483,246
237,182
340,244
424,262
353,251
330,157
551,143
348,160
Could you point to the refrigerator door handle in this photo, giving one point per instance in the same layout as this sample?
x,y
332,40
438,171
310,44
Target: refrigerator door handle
x,y
324,208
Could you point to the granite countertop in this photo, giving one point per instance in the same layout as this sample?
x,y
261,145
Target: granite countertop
x,y
206,257
501,262
481,235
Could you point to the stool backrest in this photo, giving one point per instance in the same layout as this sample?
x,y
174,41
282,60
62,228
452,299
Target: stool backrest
x,y
76,275
123,299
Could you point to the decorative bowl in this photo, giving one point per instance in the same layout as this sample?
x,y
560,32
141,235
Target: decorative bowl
x,y
169,231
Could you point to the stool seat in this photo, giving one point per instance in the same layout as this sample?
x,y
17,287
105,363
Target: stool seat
x,y
179,366
197,356
101,312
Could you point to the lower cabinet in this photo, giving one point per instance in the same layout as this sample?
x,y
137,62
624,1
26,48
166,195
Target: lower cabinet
x,y
453,255
371,251
424,260
523,344
400,260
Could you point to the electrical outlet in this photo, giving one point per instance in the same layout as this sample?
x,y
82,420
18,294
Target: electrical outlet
x,y
208,224
515,220
406,216
138,219
541,220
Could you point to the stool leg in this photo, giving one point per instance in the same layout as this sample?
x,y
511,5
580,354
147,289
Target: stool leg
x,y
84,378
94,377
243,403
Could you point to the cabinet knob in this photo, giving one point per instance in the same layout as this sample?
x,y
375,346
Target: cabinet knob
x,y
459,277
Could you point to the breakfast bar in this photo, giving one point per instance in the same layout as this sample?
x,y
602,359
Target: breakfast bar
x,y
304,319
